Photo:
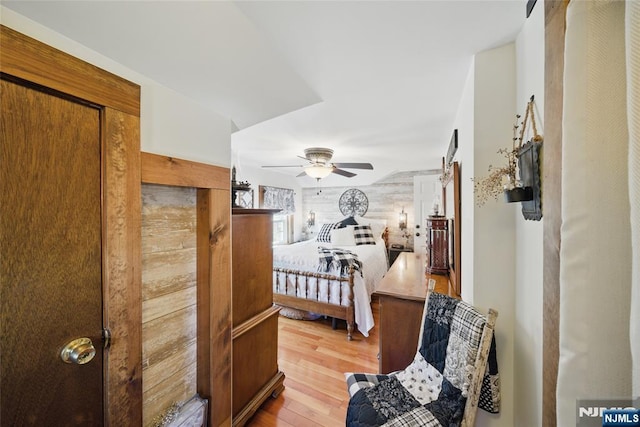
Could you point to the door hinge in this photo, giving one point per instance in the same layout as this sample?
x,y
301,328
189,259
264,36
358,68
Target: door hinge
x,y
106,338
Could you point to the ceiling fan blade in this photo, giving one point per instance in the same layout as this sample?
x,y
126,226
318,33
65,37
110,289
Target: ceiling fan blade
x,y
284,166
354,165
343,172
301,174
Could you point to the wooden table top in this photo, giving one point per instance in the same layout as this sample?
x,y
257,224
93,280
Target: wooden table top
x,y
407,279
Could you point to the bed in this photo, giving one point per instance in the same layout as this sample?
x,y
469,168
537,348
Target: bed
x,y
335,287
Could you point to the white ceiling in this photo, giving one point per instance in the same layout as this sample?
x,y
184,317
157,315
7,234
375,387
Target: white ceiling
x,y
377,81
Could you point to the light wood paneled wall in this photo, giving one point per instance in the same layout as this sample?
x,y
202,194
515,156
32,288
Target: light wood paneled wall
x,y
169,297
386,198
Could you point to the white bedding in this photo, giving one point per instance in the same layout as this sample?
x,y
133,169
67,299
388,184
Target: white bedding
x,y
304,256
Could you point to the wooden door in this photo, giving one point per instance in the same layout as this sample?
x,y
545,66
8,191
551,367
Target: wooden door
x,y
26,59
50,257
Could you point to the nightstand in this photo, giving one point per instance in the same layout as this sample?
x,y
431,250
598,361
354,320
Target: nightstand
x,y
394,252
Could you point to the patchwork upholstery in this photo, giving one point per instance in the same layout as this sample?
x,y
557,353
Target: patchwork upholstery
x,y
435,330
447,378
357,381
462,349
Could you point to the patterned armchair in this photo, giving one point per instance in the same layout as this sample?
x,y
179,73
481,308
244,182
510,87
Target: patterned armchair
x,y
454,371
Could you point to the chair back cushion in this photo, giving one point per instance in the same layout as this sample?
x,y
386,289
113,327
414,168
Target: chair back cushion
x,y
463,346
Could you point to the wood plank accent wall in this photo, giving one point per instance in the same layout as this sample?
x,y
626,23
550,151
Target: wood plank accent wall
x,y
212,272
168,297
555,12
386,198
28,59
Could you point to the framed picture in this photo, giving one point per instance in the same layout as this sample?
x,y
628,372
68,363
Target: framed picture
x,y
244,198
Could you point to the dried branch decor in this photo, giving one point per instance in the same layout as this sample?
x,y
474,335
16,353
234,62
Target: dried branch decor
x,y
503,179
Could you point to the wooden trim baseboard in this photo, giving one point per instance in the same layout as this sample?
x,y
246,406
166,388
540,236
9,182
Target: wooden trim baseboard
x,y
272,388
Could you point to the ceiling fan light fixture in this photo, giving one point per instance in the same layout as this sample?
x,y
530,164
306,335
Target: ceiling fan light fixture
x,y
318,171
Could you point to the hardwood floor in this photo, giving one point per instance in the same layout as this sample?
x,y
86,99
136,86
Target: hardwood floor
x,y
314,357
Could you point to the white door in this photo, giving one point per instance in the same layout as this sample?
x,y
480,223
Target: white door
x,y
425,188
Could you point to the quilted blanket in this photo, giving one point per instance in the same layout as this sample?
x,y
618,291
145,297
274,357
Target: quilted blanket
x,y
340,260
432,390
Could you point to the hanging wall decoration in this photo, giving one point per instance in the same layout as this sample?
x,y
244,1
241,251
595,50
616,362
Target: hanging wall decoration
x,y
519,180
529,167
353,202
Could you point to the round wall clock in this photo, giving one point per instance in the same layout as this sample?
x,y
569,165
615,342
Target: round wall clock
x,y
353,202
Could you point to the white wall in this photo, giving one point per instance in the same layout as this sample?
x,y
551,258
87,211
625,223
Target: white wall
x,y
493,229
501,252
171,124
176,126
529,241
464,122
485,119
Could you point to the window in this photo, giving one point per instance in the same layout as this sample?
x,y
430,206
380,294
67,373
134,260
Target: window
x,y
283,199
282,229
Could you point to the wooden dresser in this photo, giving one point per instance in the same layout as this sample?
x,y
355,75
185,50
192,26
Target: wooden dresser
x,y
255,373
401,294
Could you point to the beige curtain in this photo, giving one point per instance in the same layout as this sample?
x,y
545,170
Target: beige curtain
x,y
596,287
632,27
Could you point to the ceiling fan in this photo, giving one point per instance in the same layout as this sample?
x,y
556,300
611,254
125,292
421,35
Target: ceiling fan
x,y
320,166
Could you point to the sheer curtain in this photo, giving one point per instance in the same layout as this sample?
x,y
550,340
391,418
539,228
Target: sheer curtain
x,y
600,206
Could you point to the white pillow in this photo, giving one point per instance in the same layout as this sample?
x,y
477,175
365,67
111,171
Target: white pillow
x,y
343,236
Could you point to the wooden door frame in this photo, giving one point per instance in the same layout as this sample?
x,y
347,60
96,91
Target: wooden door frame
x,y
118,100
213,264
555,25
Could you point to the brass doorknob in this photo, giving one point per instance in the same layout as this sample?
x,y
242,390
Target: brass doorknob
x,y
78,351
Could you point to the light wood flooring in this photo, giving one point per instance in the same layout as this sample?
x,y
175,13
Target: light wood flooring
x,y
313,358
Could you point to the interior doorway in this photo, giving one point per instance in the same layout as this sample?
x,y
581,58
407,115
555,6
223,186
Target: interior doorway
x,y
50,247
69,239
427,189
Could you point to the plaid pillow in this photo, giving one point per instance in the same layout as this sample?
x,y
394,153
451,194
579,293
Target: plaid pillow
x,y
363,235
324,235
